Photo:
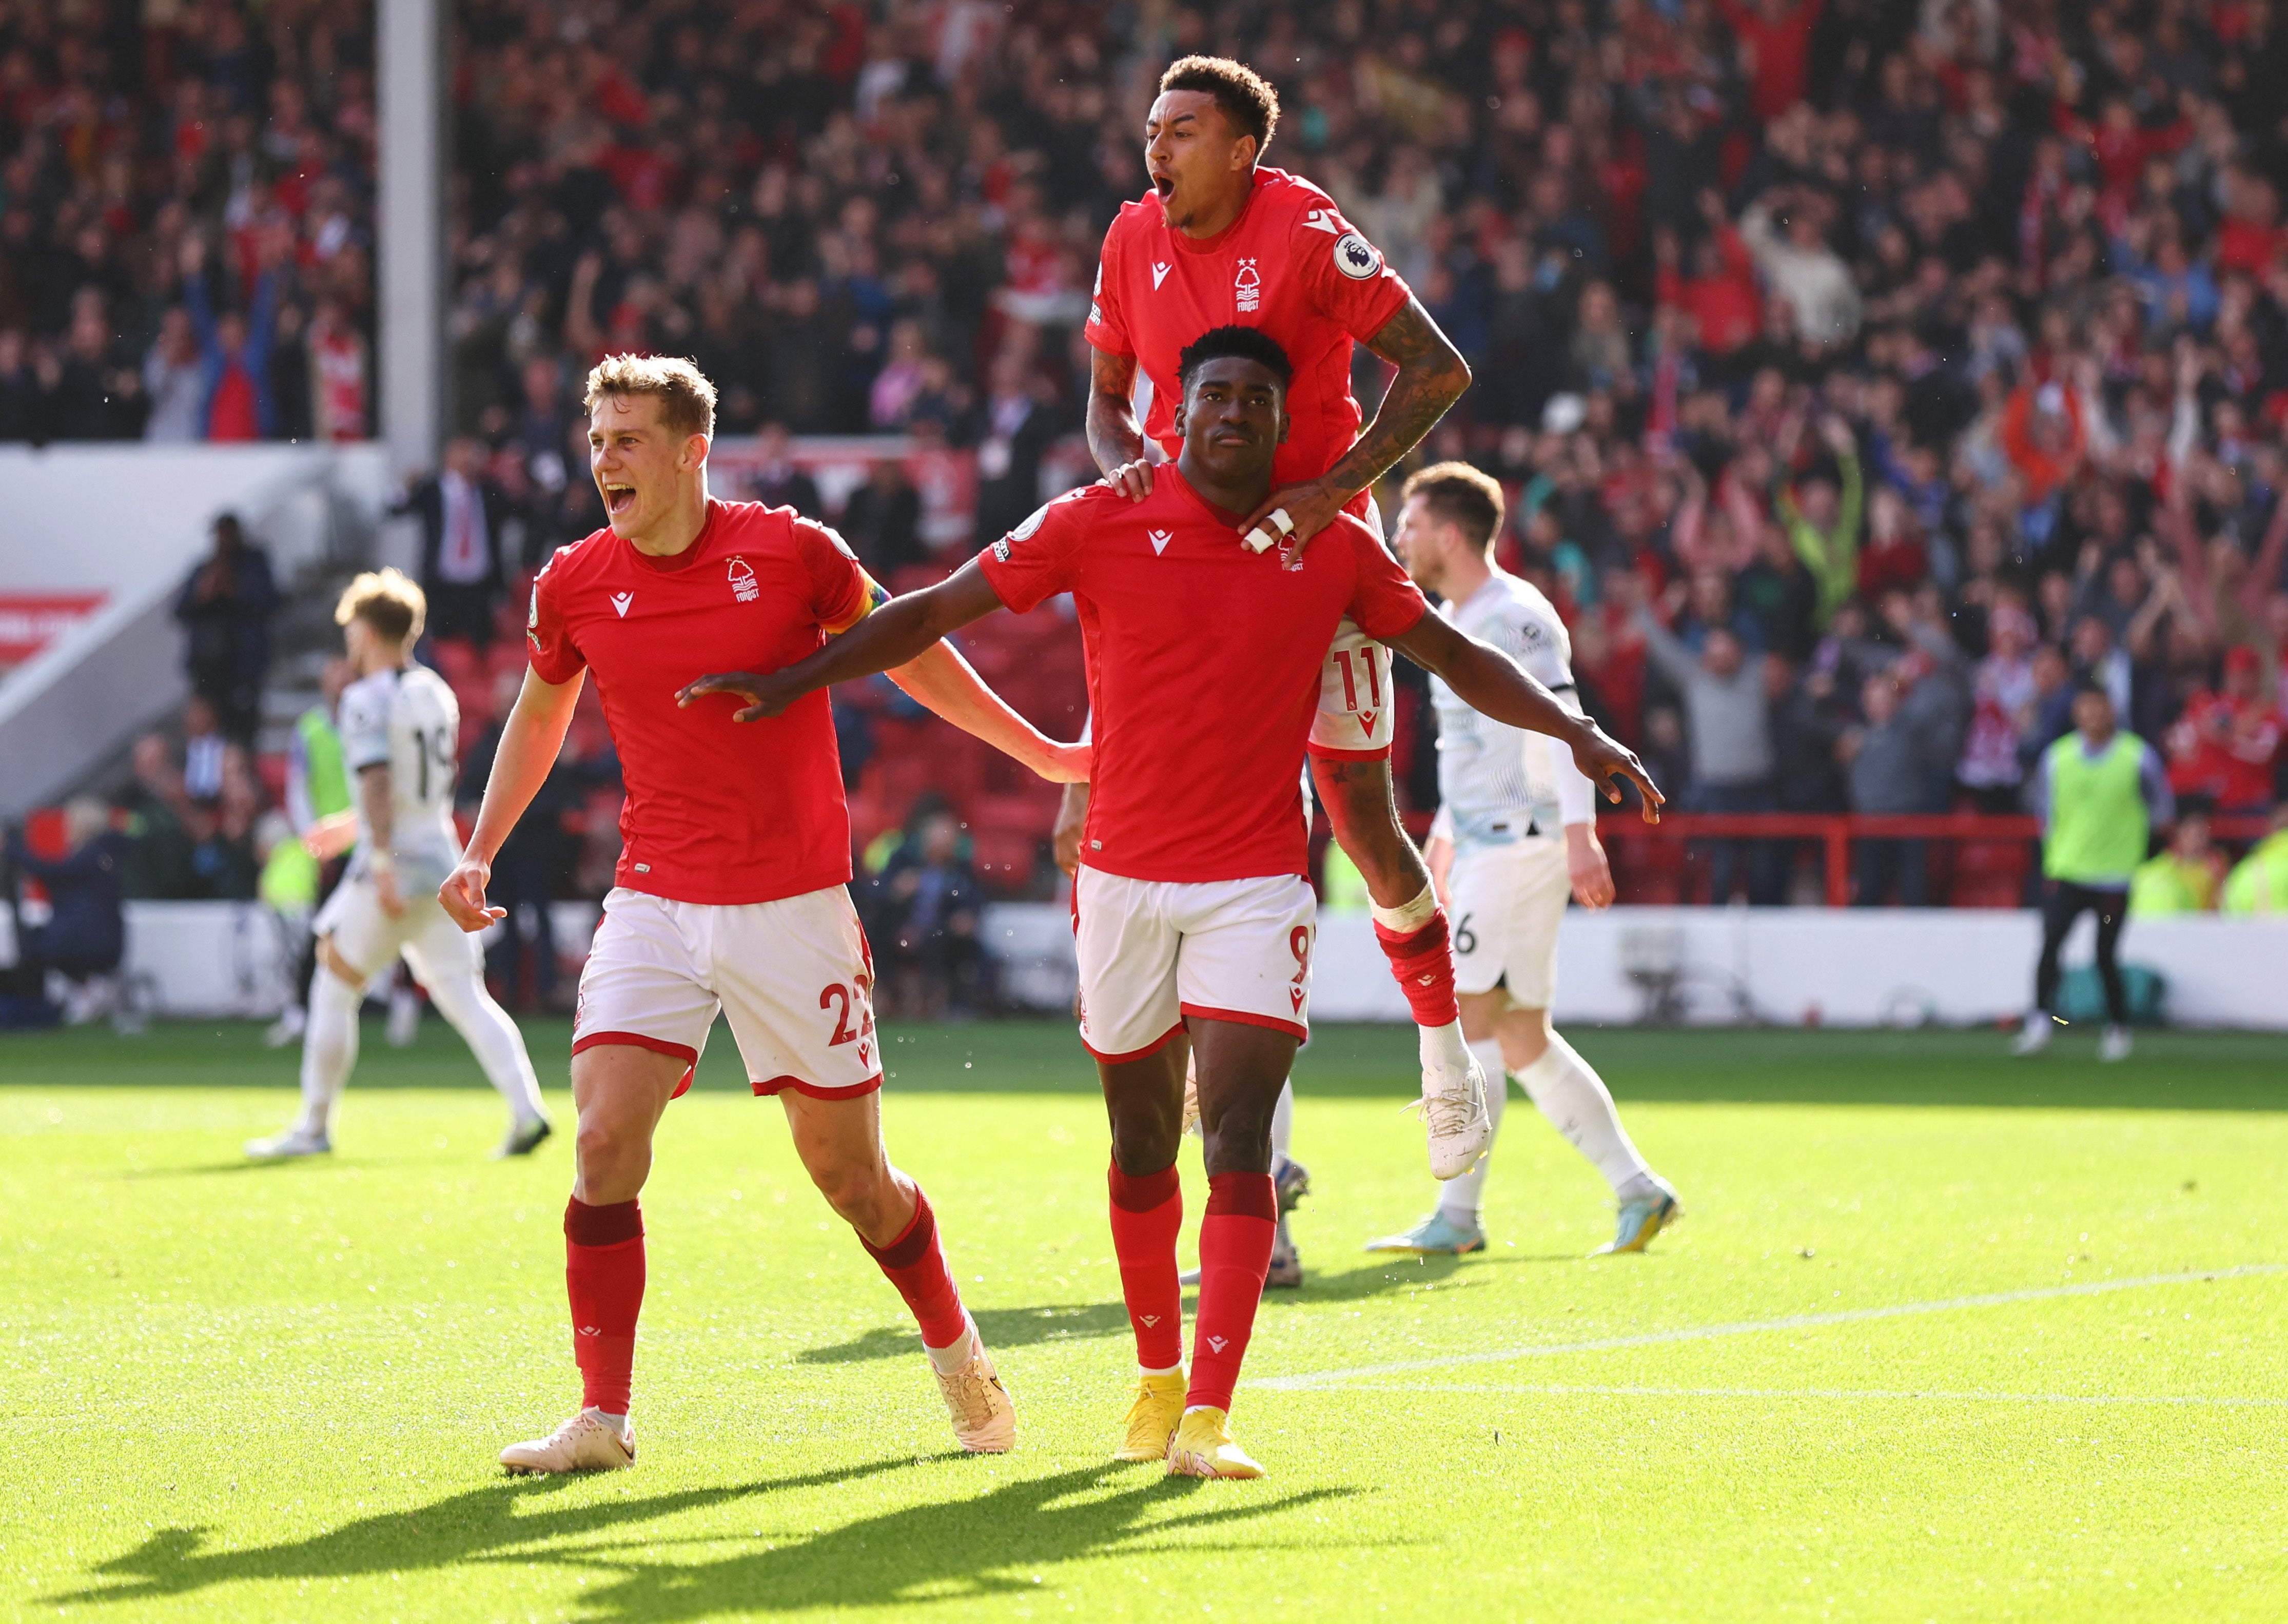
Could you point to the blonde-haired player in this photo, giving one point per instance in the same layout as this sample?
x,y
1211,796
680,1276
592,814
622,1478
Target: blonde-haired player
x,y
1516,830
401,732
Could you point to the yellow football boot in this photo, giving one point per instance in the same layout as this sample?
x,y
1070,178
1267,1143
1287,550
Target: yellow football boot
x,y
1202,1447
1152,1419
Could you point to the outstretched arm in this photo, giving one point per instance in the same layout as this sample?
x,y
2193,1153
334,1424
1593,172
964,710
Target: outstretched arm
x,y
942,679
1431,376
1491,683
529,748
894,635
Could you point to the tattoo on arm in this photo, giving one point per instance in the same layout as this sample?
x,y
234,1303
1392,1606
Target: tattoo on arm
x,y
1114,436
1431,376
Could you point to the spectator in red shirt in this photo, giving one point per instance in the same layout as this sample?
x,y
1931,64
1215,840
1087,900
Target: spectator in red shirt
x,y
2223,747
1774,39
1720,295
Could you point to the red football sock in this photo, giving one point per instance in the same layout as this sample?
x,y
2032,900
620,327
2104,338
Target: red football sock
x,y
915,1264
1148,1210
1424,969
604,1277
1235,1255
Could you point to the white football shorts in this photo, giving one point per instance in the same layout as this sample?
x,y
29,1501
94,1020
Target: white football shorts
x,y
1153,951
1353,723
1507,902
794,977
371,941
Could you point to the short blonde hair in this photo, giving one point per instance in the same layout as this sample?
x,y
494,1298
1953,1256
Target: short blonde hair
x,y
1468,498
687,400
389,603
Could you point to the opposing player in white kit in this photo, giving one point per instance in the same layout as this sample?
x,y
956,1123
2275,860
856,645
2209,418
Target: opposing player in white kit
x,y
1516,829
401,732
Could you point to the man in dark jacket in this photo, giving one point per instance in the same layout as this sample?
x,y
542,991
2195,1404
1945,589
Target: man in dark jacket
x,y
87,932
225,608
463,517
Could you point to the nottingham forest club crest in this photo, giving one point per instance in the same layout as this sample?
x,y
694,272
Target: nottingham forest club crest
x,y
1247,288
743,581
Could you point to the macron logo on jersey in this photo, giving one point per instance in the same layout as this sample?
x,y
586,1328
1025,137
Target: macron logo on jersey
x,y
1324,219
1159,275
1160,539
620,602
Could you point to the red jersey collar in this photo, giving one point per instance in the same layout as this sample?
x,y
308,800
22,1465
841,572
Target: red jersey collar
x,y
1214,244
1221,515
676,563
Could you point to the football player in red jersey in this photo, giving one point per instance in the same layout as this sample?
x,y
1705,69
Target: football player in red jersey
x,y
731,888
1193,919
1224,238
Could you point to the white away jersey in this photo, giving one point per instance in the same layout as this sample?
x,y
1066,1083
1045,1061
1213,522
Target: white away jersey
x,y
409,722
1495,784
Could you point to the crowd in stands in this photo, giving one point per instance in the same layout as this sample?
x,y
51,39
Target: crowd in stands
x,y
185,220
1867,375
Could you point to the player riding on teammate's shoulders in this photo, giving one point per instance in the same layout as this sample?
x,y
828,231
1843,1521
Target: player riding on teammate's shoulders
x,y
1193,920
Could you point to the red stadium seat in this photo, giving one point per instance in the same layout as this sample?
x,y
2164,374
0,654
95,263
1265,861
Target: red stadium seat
x,y
43,832
1990,874
1003,858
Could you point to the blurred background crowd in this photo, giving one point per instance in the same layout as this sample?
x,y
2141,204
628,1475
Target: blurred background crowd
x,y
1866,375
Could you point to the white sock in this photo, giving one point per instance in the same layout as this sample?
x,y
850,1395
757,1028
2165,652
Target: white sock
x,y
1283,1123
329,1047
617,1423
1462,1199
1411,916
1576,1102
945,1361
1442,1049
1172,1370
492,1037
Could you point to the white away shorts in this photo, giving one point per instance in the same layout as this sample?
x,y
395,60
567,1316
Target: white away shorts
x,y
1153,951
370,941
793,976
1353,722
1507,902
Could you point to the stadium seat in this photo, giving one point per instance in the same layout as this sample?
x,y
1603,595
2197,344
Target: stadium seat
x,y
1990,875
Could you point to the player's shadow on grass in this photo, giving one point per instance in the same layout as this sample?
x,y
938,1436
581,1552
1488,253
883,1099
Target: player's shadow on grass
x,y
985,1544
1076,1322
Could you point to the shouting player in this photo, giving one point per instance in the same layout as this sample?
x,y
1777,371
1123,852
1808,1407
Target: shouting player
x,y
1193,920
1223,238
1516,829
731,888
401,731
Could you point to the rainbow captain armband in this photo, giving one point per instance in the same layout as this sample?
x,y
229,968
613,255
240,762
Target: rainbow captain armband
x,y
872,595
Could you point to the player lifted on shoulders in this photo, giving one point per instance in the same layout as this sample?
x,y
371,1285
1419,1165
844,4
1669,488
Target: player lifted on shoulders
x,y
1224,238
730,891
1516,829
1192,920
401,732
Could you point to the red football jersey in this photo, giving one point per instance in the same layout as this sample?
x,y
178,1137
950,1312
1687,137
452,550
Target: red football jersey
x,y
716,811
1204,663
1290,265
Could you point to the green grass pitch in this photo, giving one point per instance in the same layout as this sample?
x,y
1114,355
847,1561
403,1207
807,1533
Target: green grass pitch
x,y
277,1393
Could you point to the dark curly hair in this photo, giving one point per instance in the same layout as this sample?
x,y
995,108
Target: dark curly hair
x,y
1244,96
1249,342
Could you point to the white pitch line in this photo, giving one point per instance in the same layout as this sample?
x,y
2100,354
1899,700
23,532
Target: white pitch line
x,y
1790,1322
1936,1395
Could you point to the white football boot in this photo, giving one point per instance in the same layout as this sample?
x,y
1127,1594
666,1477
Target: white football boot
x,y
1453,1107
984,1416
286,1146
586,1443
